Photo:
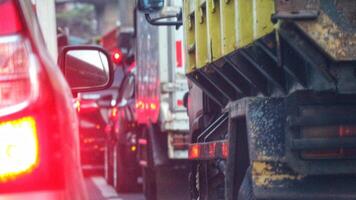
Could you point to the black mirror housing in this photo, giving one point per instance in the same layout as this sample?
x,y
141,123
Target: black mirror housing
x,y
86,68
148,6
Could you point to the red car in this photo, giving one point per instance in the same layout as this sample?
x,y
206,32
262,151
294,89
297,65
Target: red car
x,y
39,147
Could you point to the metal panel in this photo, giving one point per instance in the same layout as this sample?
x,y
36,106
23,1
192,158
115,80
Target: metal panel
x,y
228,26
214,34
201,33
215,28
262,12
189,29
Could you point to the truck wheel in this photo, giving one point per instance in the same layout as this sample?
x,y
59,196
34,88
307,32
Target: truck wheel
x,y
149,183
108,163
246,192
125,180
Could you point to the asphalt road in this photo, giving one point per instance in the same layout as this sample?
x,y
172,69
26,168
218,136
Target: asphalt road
x,y
173,187
99,190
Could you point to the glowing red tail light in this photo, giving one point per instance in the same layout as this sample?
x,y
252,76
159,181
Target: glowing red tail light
x,y
116,56
10,21
18,147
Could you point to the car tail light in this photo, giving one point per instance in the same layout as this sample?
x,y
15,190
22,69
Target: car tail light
x,y
18,147
329,132
31,155
12,23
15,60
116,56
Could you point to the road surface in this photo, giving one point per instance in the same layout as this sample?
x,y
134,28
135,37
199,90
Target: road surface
x,y
99,190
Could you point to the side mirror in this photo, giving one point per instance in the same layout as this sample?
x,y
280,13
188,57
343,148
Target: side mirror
x,y
86,68
148,6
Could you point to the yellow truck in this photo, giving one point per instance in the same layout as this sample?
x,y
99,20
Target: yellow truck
x,y
272,97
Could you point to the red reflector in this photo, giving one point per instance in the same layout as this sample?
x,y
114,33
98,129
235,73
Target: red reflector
x,y
194,151
142,141
10,20
180,102
225,149
212,149
179,53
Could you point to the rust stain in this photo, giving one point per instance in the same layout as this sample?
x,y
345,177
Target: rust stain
x,y
338,43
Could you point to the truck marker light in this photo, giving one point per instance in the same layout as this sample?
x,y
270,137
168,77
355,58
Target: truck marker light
x,y
140,105
142,141
153,106
225,149
19,151
133,148
194,151
212,149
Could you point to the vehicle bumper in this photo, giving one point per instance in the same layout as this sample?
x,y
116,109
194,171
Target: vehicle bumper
x,y
47,195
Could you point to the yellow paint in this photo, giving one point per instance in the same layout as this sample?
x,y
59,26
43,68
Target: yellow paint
x,y
244,24
262,12
215,28
227,25
189,32
263,174
201,43
214,34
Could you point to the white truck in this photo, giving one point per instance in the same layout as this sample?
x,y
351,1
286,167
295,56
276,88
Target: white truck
x,y
160,89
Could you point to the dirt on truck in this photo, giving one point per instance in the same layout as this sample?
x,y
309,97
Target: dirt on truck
x,y
271,97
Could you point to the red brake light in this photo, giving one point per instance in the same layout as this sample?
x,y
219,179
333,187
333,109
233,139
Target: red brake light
x,y
18,148
10,22
117,56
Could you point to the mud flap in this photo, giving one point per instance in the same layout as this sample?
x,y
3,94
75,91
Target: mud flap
x,y
158,142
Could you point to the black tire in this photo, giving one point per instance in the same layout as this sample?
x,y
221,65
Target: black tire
x,y
210,182
246,190
108,163
125,180
149,183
